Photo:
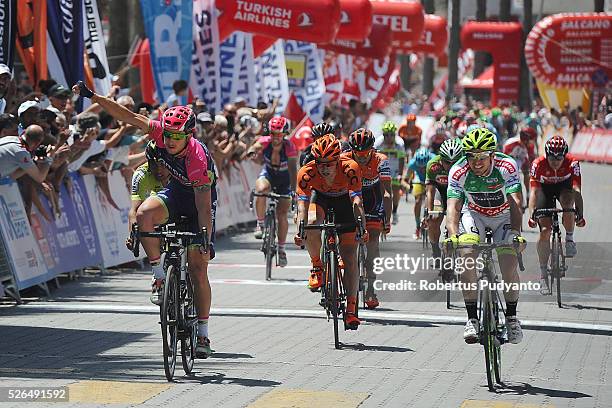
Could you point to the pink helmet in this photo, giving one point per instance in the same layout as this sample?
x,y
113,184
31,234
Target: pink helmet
x,y
179,119
278,124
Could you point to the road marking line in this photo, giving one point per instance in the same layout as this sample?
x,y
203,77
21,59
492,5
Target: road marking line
x,y
500,404
251,266
279,282
114,392
297,398
316,313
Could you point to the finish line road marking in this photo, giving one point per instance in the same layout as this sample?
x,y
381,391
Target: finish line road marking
x,y
313,313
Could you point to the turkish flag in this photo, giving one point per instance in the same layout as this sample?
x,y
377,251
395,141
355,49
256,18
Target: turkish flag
x,y
293,110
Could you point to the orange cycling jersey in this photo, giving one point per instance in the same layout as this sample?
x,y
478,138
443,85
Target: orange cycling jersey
x,y
347,180
409,134
376,169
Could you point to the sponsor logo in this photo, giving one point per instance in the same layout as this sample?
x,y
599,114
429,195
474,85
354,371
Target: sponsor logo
x,y
345,18
304,20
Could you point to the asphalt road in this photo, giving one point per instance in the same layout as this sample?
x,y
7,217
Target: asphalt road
x,y
99,336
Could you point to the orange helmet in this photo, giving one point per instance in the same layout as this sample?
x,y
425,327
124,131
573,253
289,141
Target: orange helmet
x,y
411,117
326,148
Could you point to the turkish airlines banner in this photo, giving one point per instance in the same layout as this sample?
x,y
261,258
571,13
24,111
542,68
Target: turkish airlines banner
x,y
355,20
205,82
310,94
405,18
373,75
271,76
377,45
313,21
434,39
503,42
95,47
571,50
334,83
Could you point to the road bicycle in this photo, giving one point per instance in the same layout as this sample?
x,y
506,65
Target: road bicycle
x,y
557,257
269,246
178,317
491,312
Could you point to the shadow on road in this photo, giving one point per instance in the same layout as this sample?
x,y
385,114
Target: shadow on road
x,y
528,389
363,347
586,307
231,355
218,378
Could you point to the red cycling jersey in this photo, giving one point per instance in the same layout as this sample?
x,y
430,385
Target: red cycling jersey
x,y
542,173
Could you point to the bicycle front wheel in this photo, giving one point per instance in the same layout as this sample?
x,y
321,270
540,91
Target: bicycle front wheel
x,y
363,277
188,342
335,307
270,244
556,270
488,337
169,319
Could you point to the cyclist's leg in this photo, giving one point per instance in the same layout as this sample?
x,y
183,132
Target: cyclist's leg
x,y
470,229
373,251
282,209
435,221
316,215
508,266
544,199
419,196
566,199
396,188
153,211
262,185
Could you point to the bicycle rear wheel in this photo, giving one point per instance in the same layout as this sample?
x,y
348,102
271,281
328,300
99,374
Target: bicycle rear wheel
x,y
188,342
169,319
332,264
496,341
487,337
270,229
363,276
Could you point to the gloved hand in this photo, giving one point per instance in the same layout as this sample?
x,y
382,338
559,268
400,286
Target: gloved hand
x,y
518,241
84,90
365,237
298,240
580,221
532,222
451,242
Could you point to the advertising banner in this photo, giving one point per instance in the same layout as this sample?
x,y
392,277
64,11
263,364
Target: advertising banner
x,y
95,47
65,41
310,96
237,69
271,76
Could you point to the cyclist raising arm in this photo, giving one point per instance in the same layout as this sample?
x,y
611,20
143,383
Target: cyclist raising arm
x,y
190,193
336,185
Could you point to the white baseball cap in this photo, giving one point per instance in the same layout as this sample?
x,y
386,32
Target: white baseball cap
x,y
28,105
4,69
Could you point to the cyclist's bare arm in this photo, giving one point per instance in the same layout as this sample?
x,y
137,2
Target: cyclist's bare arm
x,y
358,210
292,167
118,112
132,214
453,215
302,211
516,214
431,194
203,204
387,191
533,194
578,202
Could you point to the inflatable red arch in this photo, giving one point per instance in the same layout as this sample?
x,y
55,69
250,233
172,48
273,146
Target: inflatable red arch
x,y
503,42
433,41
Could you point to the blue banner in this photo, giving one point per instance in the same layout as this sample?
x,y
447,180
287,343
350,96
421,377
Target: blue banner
x,y
65,40
168,25
310,96
68,242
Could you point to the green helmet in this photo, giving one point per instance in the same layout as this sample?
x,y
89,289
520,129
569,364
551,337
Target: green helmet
x,y
389,127
451,150
479,139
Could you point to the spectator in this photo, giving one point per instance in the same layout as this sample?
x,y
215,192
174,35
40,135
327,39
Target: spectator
x,y
8,125
16,155
58,96
6,77
28,113
179,96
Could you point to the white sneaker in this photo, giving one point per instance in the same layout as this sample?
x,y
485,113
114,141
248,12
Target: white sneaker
x,y
570,249
282,258
395,219
157,292
470,332
515,333
258,232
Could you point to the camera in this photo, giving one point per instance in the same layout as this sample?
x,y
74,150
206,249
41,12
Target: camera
x,y
41,151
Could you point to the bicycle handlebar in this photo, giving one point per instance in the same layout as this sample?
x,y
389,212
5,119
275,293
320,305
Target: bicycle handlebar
x,y
169,233
545,212
492,246
273,196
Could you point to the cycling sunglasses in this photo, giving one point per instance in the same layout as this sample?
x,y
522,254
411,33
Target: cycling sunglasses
x,y
557,157
362,154
478,156
330,163
175,135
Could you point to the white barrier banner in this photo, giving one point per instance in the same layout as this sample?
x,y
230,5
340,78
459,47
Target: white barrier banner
x,y
205,82
233,190
271,76
25,256
310,96
111,223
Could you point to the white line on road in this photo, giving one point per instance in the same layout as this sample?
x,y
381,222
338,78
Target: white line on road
x,y
444,319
